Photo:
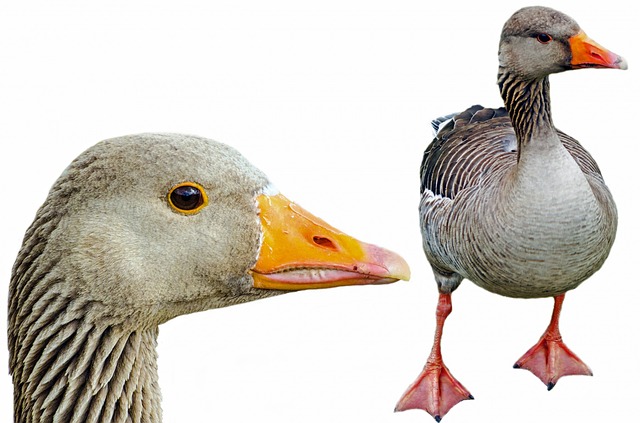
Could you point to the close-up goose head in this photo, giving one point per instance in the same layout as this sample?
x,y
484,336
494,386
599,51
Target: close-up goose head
x,y
538,41
141,229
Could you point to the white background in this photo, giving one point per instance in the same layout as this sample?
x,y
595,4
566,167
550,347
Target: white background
x,y
333,100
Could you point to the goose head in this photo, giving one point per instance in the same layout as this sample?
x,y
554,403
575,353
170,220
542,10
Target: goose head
x,y
538,41
152,226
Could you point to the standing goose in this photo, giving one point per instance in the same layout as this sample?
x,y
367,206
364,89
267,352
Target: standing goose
x,y
513,204
136,231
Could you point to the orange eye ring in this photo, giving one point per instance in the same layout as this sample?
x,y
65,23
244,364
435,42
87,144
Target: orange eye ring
x,y
187,198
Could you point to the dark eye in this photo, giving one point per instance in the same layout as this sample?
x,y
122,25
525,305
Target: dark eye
x,y
544,38
187,198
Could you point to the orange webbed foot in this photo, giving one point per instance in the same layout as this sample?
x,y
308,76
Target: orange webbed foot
x,y
435,390
550,358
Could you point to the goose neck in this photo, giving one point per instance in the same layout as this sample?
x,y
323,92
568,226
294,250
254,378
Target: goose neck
x,y
529,106
90,370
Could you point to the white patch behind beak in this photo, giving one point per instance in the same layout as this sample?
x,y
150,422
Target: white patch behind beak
x,y
269,190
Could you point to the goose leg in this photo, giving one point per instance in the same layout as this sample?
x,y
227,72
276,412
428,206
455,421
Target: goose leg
x,y
550,359
435,390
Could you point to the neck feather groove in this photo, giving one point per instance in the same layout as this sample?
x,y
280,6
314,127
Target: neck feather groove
x,y
528,104
71,359
80,369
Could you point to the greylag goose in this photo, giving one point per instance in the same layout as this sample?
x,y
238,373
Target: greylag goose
x,y
136,231
513,204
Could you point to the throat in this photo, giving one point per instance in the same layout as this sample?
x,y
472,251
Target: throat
x,y
545,171
76,370
529,107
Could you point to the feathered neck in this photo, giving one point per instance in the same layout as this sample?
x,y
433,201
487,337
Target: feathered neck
x,y
529,106
74,359
67,366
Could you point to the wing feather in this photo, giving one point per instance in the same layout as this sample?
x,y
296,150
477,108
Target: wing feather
x,y
478,143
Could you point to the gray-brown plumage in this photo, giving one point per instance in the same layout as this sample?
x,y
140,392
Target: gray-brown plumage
x,y
478,150
136,231
510,202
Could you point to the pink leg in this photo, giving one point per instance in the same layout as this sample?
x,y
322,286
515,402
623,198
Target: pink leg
x,y
436,391
550,359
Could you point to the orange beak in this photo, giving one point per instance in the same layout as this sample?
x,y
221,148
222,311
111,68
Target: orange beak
x,y
586,53
301,251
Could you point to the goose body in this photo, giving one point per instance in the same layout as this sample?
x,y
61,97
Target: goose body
x,y
511,216
513,204
139,230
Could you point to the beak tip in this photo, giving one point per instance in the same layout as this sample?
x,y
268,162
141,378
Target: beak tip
x,y
396,266
622,64
401,270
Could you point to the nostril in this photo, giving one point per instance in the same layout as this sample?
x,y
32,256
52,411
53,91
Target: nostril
x,y
324,242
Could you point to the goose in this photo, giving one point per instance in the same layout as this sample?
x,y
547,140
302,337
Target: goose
x,y
141,229
513,204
